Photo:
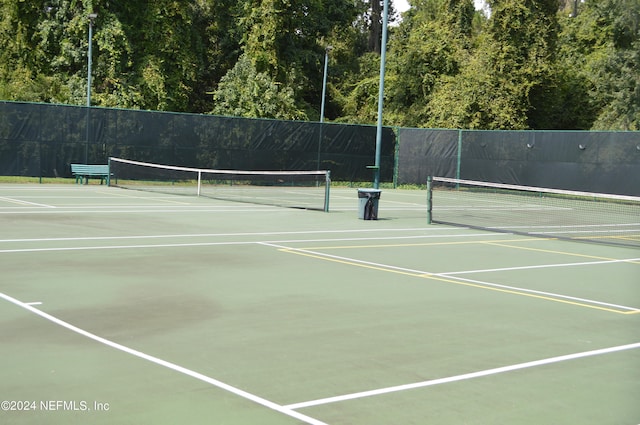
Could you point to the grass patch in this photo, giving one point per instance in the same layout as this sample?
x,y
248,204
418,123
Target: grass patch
x,y
363,185
38,180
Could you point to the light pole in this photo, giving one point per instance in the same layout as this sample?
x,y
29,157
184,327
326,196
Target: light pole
x,y
92,17
324,94
383,56
324,81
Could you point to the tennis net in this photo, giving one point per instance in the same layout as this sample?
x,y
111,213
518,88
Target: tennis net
x,y
551,213
294,189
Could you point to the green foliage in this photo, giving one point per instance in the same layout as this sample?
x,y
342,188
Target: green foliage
x,y
526,65
22,85
144,56
245,92
496,85
286,39
474,99
361,99
428,48
601,47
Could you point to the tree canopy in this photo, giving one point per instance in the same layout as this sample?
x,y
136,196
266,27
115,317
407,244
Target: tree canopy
x,y
526,64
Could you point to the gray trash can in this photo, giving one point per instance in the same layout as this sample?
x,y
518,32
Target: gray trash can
x,y
368,203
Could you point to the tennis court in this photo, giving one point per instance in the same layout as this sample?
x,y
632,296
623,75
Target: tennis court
x,y
126,307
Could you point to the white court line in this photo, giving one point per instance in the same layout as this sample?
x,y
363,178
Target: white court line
x,y
195,244
84,207
463,377
12,187
570,226
192,244
574,232
543,266
85,248
259,400
178,245
276,244
301,232
26,203
134,210
543,293
420,273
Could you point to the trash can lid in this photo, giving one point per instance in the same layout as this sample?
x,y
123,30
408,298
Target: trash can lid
x,y
369,193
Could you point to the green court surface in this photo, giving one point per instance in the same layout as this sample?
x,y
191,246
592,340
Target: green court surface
x,y
125,307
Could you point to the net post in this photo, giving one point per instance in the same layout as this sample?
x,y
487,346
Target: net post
x,y
199,181
327,187
109,172
429,198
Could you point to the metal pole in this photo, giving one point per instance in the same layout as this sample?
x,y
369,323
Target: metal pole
x,y
429,199
383,58
327,188
324,93
92,16
324,81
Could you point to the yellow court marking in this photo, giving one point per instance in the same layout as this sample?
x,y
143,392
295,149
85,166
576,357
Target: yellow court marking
x,y
405,245
633,237
497,242
550,251
421,275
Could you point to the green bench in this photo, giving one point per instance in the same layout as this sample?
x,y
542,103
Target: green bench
x,y
84,172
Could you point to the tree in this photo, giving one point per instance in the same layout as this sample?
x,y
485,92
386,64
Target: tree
x,y
601,47
358,94
22,76
161,55
540,64
245,92
284,39
146,55
430,45
506,82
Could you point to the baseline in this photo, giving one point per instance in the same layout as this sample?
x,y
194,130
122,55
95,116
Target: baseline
x,y
164,363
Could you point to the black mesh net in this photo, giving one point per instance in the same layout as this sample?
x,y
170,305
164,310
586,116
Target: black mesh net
x,y
295,189
612,219
43,140
603,162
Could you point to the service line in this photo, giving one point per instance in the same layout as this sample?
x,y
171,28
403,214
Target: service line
x,y
463,377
